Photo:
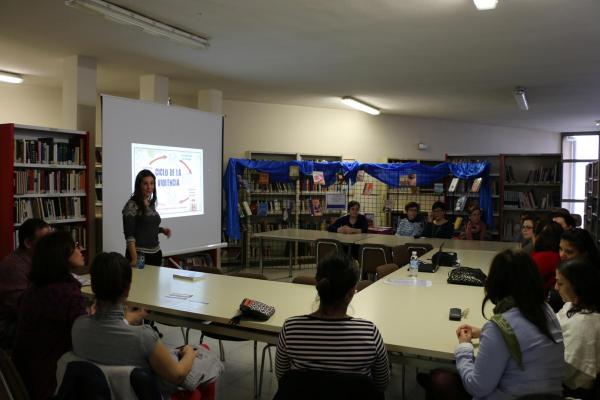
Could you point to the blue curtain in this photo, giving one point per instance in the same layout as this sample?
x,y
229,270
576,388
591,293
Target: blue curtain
x,y
388,173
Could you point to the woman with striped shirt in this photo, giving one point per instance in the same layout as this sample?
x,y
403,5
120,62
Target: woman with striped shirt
x,y
329,339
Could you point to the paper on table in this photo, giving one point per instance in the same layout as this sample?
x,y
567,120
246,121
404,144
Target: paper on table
x,y
189,275
408,282
181,296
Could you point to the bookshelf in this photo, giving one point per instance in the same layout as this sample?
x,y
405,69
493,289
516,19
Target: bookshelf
x,y
521,183
266,206
463,190
45,174
592,200
397,198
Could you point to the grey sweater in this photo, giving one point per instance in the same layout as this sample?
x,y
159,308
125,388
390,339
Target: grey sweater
x,y
143,229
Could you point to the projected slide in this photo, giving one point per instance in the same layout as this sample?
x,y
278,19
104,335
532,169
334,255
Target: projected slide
x,y
179,177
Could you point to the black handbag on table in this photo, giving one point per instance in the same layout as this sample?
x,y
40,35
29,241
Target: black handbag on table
x,y
467,276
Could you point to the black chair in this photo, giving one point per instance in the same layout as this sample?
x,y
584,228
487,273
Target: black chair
x,y
420,248
83,380
305,384
144,384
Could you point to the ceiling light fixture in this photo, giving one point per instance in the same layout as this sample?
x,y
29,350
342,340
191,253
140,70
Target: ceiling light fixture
x,y
597,122
148,25
485,4
10,77
521,98
359,105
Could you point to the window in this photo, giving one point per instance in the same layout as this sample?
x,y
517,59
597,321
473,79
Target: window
x,y
578,150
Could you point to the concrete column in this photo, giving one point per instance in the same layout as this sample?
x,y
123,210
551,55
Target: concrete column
x,y
79,93
210,100
154,88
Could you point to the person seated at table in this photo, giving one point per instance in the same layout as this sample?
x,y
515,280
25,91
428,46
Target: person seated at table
x,y
413,224
353,222
578,243
527,233
564,219
106,338
520,348
438,226
545,253
475,229
314,341
14,271
47,311
577,282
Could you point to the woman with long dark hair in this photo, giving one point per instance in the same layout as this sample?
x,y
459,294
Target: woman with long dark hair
x,y
578,243
520,348
47,311
141,222
329,339
577,282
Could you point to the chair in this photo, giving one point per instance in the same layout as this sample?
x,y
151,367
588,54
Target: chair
x,y
384,270
83,380
326,385
144,384
372,256
220,338
362,284
305,280
11,385
400,255
420,248
326,247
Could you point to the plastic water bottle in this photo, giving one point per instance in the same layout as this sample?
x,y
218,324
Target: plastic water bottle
x,y
413,267
141,261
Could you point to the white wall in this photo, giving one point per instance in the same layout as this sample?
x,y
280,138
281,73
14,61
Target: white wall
x,y
355,135
283,128
31,105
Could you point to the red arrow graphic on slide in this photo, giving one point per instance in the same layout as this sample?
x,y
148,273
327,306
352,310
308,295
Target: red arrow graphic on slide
x,y
158,158
188,168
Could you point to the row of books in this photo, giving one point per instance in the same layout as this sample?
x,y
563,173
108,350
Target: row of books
x,y
527,199
42,181
264,208
49,151
77,232
279,187
56,208
540,174
198,260
460,185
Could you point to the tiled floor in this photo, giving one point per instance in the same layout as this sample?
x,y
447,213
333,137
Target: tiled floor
x,y
237,381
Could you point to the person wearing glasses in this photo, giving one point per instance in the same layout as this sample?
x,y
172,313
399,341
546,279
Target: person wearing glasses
x,y
14,271
47,311
527,234
439,226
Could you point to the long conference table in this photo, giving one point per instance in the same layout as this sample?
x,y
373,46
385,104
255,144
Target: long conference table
x,y
413,320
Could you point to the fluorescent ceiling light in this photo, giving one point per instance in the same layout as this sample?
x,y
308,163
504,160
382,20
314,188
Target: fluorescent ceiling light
x,y
148,25
359,105
521,98
485,4
597,122
9,77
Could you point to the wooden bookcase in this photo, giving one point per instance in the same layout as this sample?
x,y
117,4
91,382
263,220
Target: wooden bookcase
x,y
592,200
45,174
292,198
521,183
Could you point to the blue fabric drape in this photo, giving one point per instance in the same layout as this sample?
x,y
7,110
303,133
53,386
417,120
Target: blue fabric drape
x,y
388,173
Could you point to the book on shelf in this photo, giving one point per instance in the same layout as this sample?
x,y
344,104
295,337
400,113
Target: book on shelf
x,y
50,151
458,222
460,203
263,209
247,209
438,188
408,180
316,207
360,175
368,188
318,178
98,153
476,185
453,185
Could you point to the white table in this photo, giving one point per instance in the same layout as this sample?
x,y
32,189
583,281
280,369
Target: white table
x,y
305,236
